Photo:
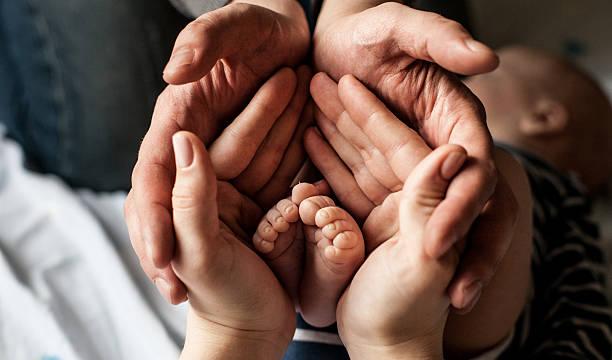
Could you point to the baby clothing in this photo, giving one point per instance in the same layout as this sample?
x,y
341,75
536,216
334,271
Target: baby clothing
x,y
568,315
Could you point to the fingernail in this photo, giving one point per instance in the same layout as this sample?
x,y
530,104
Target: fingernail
x,y
452,164
163,287
471,295
183,152
181,57
476,46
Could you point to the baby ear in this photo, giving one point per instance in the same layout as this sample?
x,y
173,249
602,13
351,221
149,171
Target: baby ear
x,y
548,117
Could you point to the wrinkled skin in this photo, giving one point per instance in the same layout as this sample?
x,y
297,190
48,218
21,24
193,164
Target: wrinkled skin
x,y
203,98
393,58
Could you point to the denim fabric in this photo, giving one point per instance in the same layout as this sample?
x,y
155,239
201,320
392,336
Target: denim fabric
x,y
78,82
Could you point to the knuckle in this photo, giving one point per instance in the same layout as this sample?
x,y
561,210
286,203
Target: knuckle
x,y
183,199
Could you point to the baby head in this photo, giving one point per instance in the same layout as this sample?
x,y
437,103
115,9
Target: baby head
x,y
546,105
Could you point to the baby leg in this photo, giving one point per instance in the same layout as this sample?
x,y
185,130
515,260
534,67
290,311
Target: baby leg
x,y
334,251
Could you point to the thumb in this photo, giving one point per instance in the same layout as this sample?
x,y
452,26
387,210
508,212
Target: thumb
x,y
215,35
431,37
194,199
425,188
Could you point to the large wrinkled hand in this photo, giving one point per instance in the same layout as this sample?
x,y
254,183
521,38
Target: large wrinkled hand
x,y
232,292
259,152
392,49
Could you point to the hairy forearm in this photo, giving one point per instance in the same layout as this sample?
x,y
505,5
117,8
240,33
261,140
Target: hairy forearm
x,y
211,341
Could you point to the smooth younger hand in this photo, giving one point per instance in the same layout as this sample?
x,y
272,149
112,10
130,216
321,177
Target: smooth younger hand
x,y
232,292
397,302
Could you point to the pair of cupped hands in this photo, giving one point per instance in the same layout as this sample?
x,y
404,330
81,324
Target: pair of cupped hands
x,y
209,168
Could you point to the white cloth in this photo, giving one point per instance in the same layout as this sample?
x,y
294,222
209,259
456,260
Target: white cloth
x,y
66,292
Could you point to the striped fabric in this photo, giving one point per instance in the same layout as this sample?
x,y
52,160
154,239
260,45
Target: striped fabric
x,y
569,315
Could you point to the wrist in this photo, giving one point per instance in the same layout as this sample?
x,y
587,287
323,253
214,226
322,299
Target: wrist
x,y
206,339
425,348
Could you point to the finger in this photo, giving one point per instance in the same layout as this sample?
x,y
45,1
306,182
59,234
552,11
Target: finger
x,y
489,240
194,204
470,190
151,186
426,187
325,93
271,151
366,162
215,35
369,184
402,147
337,175
293,160
169,286
232,152
431,37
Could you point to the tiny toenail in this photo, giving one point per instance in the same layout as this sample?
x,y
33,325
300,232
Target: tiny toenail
x,y
324,214
331,227
279,219
288,209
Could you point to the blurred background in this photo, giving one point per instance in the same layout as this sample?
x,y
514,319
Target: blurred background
x,y
78,82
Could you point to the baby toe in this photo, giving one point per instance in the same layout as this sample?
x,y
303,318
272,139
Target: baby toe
x,y
266,231
308,208
303,191
346,240
330,214
288,210
334,228
262,245
278,222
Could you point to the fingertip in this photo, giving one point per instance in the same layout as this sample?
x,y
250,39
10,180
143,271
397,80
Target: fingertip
x,y
183,150
287,74
348,80
320,83
438,243
454,160
302,191
464,297
479,58
489,59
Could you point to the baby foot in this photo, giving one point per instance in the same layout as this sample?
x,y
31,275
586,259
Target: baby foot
x,y
273,235
334,251
280,241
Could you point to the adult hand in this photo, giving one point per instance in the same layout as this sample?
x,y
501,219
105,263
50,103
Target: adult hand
x,y
376,152
403,286
392,49
238,308
260,152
